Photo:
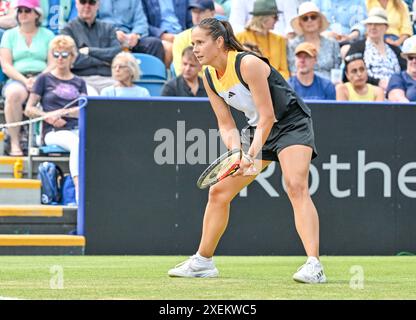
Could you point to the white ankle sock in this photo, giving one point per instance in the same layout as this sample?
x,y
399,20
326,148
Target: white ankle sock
x,y
203,258
313,260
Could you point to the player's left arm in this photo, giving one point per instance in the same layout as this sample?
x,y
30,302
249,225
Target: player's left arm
x,y
255,73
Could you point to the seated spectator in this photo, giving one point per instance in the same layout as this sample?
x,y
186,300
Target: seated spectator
x,y
381,59
357,88
400,27
7,16
188,84
97,46
55,90
402,86
306,83
129,20
24,55
125,72
258,31
200,9
166,19
57,13
308,26
345,19
240,15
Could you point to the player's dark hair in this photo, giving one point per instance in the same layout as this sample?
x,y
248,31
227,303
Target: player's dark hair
x,y
217,28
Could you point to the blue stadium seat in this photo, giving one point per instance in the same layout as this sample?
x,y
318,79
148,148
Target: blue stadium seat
x,y
172,71
154,86
152,68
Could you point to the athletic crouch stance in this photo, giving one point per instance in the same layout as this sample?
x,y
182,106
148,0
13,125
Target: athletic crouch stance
x,y
279,129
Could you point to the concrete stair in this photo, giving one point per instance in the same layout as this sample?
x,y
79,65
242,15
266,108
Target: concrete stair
x,y
41,219
26,226
56,244
7,166
20,191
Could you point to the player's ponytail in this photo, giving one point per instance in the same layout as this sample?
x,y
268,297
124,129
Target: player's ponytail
x,y
217,28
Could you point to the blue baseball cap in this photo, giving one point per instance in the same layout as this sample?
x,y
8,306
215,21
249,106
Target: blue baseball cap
x,y
202,4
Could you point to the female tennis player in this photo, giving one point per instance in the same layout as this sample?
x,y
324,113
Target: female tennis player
x,y
279,129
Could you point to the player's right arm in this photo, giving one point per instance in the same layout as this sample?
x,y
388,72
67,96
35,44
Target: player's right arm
x,y
226,124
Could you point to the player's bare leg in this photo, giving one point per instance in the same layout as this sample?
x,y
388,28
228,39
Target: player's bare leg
x,y
295,162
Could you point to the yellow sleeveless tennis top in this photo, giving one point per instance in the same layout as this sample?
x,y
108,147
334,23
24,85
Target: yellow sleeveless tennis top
x,y
354,96
236,93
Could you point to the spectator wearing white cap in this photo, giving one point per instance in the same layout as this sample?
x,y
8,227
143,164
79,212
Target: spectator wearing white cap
x,y
306,83
400,27
308,25
402,86
381,58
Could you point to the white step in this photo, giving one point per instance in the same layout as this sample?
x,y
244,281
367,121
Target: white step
x,y
19,191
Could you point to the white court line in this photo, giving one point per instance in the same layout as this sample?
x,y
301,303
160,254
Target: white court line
x,y
8,298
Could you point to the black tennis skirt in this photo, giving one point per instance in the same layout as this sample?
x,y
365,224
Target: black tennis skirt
x,y
295,129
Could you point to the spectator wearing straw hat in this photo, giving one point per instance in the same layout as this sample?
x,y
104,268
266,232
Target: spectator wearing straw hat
x,y
402,86
258,31
381,58
306,83
308,26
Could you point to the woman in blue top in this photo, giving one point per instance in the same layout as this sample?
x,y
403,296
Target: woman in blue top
x,y
279,129
125,71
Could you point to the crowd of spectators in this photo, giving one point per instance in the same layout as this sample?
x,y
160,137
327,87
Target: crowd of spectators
x,y
361,50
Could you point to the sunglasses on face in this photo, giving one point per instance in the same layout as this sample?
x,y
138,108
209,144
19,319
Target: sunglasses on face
x,y
90,2
411,58
63,54
24,9
312,17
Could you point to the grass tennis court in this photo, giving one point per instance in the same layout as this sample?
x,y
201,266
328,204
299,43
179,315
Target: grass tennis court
x,y
144,277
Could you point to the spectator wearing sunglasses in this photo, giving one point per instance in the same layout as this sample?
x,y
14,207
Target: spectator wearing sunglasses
x,y
402,86
308,26
132,28
55,90
7,16
97,45
258,31
23,55
57,13
357,88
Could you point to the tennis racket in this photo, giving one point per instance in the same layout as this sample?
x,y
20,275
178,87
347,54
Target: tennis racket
x,y
221,168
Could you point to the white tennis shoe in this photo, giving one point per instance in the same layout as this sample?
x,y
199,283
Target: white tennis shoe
x,y
311,272
194,267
